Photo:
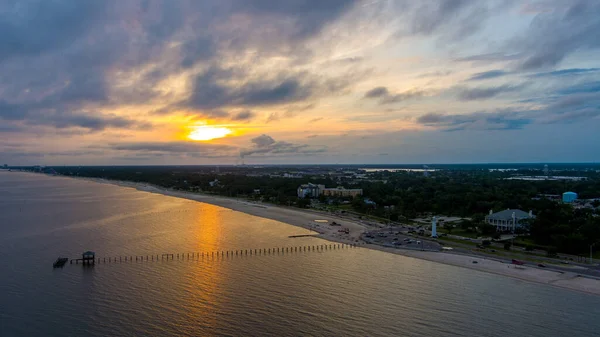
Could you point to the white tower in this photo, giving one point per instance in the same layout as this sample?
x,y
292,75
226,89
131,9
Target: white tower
x,y
514,220
546,170
433,228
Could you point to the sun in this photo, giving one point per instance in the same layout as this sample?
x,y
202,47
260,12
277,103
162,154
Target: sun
x,y
206,132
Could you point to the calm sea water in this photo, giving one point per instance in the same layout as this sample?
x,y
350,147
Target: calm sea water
x,y
351,292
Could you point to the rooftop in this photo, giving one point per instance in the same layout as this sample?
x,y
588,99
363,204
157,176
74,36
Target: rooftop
x,y
507,214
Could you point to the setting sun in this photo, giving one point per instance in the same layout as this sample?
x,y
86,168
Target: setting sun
x,y
205,132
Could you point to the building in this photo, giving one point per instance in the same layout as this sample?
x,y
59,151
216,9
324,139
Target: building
x,y
508,220
342,192
310,190
569,197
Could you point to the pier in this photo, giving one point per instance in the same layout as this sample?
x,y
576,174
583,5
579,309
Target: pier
x,y
91,259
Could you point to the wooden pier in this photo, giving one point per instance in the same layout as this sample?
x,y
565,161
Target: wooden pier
x,y
196,256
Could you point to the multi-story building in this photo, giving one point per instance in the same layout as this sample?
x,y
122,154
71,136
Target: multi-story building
x,y
342,192
310,190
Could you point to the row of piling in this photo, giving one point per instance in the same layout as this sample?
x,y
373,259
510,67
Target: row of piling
x,y
219,254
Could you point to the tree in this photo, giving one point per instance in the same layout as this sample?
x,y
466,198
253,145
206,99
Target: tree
x,y
466,224
303,202
487,229
448,227
507,245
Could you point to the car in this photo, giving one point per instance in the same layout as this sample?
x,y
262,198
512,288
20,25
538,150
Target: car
x,y
397,243
541,265
406,240
395,239
418,242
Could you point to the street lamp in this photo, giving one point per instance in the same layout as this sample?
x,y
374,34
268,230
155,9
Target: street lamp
x,y
592,246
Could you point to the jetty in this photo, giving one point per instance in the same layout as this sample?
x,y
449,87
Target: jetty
x,y
89,257
60,262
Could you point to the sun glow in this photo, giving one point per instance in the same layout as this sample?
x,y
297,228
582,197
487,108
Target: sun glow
x,y
206,132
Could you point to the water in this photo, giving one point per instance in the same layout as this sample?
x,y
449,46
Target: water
x,y
346,292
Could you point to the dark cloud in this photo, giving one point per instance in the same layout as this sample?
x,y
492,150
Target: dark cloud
x,y
385,97
12,128
572,108
265,145
199,150
92,121
209,93
377,92
489,57
487,75
556,33
263,141
315,119
585,87
579,107
432,16
447,20
567,72
243,115
66,56
290,112
497,120
472,94
439,73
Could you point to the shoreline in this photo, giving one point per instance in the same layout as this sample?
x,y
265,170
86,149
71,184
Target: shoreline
x,y
305,219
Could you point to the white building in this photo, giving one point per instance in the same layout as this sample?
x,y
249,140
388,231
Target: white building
x,y
508,220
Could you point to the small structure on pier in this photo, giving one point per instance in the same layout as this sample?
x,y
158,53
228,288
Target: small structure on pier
x,y
88,257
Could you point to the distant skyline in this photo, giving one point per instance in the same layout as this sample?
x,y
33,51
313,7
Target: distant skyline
x,y
170,82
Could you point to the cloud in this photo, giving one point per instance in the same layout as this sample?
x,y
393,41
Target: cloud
x,y
497,120
585,87
438,73
198,150
11,128
315,119
450,19
211,91
489,57
377,92
566,72
266,145
263,141
92,121
291,111
487,75
243,115
580,107
559,32
385,97
472,94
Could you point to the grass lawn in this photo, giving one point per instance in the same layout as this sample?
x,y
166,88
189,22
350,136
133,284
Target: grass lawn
x,y
459,232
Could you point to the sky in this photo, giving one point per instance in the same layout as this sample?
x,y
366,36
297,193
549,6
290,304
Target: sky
x,y
200,82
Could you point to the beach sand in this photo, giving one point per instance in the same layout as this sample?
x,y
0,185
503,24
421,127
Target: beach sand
x,y
306,219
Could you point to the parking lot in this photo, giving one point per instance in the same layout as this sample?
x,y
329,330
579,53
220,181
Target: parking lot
x,y
400,239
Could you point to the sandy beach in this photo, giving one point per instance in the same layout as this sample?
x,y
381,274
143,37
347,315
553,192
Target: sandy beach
x,y
314,223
